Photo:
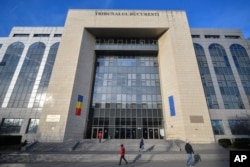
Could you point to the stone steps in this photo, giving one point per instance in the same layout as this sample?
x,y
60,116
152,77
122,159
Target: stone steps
x,y
92,150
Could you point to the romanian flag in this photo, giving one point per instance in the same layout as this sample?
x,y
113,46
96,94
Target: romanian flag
x,y
79,105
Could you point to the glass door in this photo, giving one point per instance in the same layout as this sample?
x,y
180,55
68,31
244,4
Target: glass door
x,y
95,131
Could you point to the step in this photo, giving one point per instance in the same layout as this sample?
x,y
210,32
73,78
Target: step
x,y
102,157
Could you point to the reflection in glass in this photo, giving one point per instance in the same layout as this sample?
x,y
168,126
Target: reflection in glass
x,y
206,77
11,59
127,90
242,63
11,126
228,87
33,125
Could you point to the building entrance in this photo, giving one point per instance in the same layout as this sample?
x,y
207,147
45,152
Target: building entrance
x,y
126,99
96,130
126,133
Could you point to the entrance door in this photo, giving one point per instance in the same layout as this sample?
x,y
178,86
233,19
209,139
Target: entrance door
x,y
150,133
153,133
156,133
106,133
95,131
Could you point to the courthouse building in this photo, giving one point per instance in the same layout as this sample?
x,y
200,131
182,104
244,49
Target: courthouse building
x,y
128,74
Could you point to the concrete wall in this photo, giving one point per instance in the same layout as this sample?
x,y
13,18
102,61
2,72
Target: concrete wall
x,y
180,78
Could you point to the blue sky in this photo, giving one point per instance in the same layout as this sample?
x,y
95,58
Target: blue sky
x,y
200,13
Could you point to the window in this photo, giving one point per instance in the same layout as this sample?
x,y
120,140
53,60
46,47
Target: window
x,y
57,35
2,63
27,76
212,36
232,36
217,127
11,126
206,77
21,35
242,63
32,126
8,67
239,127
41,35
125,41
195,36
225,77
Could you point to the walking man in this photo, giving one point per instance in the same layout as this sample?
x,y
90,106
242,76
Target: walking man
x,y
190,152
141,145
122,153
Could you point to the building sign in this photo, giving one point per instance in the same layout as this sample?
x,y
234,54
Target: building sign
x,y
53,118
132,13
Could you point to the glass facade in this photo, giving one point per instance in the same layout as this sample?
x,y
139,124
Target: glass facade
x,y
10,60
44,82
242,63
24,85
126,102
206,77
228,87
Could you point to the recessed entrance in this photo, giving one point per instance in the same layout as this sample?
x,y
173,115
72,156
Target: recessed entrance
x,y
126,100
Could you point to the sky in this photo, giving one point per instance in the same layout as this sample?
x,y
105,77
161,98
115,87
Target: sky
x,y
200,13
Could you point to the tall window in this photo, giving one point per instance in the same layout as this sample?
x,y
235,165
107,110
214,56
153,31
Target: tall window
x,y
242,63
228,87
27,76
44,83
9,61
206,77
127,99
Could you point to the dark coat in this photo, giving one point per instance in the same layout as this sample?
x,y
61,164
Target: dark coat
x,y
141,143
189,148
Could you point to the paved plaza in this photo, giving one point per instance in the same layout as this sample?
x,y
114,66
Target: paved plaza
x,y
212,163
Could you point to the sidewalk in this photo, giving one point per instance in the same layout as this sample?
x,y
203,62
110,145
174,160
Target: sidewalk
x,y
115,162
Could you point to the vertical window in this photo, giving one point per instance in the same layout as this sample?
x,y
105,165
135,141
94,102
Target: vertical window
x,y
242,63
217,127
27,76
206,79
10,60
32,126
11,126
228,87
44,83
